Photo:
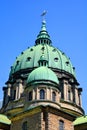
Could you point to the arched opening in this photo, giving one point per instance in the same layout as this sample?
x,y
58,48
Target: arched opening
x,y
69,95
24,126
30,96
61,125
42,94
53,96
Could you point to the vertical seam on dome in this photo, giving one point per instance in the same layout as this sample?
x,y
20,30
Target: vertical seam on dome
x,y
70,66
59,56
34,52
47,53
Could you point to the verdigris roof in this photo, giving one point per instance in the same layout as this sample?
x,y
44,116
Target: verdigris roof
x,y
80,120
30,57
4,119
42,74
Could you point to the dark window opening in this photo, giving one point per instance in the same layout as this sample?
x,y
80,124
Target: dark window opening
x,y
44,41
41,63
79,100
73,68
56,59
13,95
24,126
69,95
30,96
61,125
28,58
17,62
63,53
38,42
42,94
31,49
67,63
44,63
22,53
53,96
54,50
41,41
43,48
74,95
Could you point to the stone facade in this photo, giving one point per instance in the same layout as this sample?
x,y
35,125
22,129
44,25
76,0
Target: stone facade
x,y
43,118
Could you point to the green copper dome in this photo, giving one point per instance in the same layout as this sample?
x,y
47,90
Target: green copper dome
x,y
42,74
29,58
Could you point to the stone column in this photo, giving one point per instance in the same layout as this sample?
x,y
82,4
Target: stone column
x,y
33,94
51,94
38,93
58,96
65,90
16,97
76,96
9,90
48,93
19,89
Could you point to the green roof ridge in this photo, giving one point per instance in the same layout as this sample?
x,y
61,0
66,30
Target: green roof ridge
x,y
4,119
80,120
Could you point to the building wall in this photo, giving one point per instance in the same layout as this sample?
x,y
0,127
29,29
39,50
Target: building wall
x,y
45,118
33,122
54,122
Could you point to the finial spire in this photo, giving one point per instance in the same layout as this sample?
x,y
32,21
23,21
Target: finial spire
x,y
43,15
43,36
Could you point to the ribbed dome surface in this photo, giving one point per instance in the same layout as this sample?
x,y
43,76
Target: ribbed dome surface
x,y
42,74
30,57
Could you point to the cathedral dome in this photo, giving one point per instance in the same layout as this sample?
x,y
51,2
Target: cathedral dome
x,y
29,58
42,74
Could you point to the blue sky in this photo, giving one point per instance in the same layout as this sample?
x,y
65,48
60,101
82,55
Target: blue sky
x,y
20,22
